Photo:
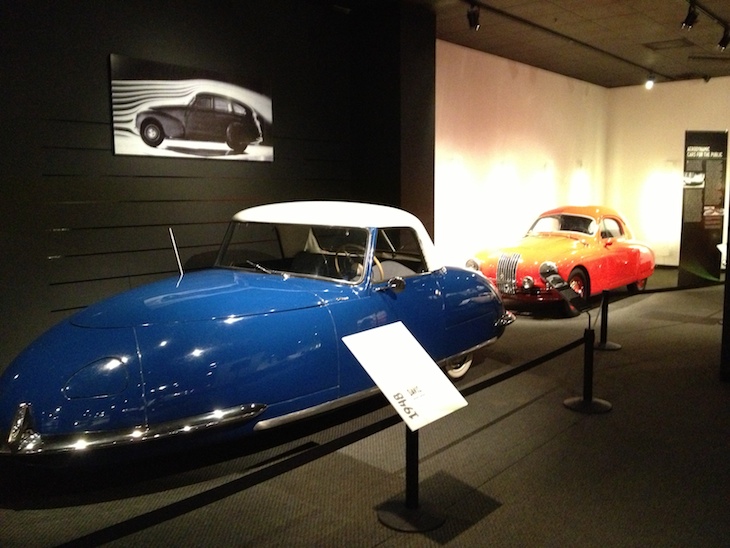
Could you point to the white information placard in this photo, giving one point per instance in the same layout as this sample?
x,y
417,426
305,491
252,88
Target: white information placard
x,y
410,380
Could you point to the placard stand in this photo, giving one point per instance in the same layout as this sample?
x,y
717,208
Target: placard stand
x,y
411,516
421,394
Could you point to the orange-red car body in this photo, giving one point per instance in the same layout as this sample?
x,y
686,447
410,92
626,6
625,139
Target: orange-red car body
x,y
592,247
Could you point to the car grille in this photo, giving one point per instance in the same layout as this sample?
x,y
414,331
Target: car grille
x,y
507,273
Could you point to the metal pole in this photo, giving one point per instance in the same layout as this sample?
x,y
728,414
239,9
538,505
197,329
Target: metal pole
x,y
589,336
411,516
604,343
587,403
411,469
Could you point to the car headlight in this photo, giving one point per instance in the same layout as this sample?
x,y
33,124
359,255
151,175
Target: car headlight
x,y
473,264
101,378
528,282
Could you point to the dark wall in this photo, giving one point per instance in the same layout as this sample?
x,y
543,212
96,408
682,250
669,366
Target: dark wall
x,y
78,223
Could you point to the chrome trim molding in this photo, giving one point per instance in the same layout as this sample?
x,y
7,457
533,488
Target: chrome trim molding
x,y
443,363
30,442
267,424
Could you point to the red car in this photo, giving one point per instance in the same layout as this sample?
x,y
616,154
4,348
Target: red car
x,y
591,246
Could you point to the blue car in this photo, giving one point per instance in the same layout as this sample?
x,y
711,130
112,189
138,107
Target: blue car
x,y
252,343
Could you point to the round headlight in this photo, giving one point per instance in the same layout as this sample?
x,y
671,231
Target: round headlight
x,y
473,264
528,282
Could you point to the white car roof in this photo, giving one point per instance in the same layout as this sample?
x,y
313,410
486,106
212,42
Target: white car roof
x,y
338,213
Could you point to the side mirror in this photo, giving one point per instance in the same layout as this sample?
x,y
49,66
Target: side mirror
x,y
395,284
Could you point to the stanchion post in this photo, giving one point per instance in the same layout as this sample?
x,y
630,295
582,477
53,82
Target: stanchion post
x,y
589,338
587,403
604,343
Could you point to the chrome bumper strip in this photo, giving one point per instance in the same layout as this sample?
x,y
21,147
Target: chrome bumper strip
x,y
30,442
315,410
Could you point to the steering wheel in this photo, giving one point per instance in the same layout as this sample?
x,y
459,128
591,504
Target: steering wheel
x,y
347,252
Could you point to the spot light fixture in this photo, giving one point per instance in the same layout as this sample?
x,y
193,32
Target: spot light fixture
x,y
691,18
472,15
649,82
725,40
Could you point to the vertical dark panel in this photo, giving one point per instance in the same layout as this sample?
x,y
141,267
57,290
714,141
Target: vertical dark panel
x,y
376,127
394,104
418,112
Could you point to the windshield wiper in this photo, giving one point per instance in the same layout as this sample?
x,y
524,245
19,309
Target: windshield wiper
x,y
257,266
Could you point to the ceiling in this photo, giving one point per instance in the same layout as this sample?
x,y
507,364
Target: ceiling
x,y
610,43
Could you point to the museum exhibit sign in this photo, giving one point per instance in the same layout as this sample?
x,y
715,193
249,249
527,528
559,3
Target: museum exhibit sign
x,y
407,376
703,206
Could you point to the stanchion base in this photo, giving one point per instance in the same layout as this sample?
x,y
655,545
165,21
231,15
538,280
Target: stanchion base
x,y
397,516
608,345
591,407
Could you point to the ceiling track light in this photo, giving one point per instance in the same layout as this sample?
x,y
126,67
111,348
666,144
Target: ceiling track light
x,y
691,18
695,7
650,82
472,15
725,40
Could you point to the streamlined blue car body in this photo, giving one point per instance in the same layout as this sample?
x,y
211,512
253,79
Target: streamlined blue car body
x,y
252,343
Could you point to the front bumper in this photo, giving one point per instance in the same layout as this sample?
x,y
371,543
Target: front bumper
x,y
531,296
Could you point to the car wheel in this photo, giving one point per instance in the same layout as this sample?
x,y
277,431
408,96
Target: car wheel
x,y
152,133
578,282
235,138
638,286
457,367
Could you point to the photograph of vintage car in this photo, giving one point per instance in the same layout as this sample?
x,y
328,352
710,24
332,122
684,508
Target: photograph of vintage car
x,y
592,248
207,117
251,343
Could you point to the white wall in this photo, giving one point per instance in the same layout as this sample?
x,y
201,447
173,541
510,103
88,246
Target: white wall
x,y
646,133
513,140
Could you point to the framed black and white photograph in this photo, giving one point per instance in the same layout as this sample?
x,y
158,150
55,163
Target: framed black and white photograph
x,y
167,110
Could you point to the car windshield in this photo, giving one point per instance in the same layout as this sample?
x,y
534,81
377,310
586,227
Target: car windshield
x,y
564,223
328,252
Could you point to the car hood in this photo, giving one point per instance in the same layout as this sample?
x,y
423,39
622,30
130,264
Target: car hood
x,y
540,247
204,295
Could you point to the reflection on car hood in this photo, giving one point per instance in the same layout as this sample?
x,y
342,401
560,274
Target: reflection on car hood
x,y
545,245
205,295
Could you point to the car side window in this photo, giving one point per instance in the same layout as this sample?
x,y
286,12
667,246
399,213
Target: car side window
x,y
220,104
611,228
202,102
398,252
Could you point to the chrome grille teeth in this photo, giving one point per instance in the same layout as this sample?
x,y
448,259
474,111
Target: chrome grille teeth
x,y
507,273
